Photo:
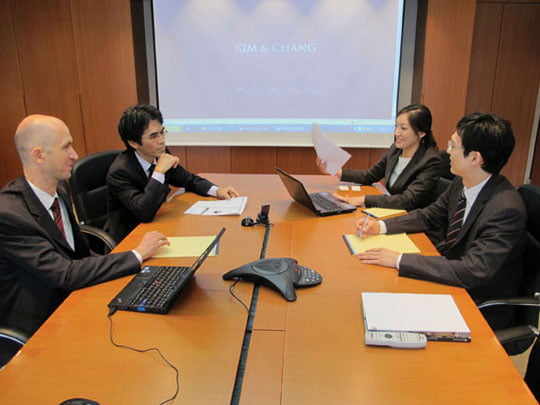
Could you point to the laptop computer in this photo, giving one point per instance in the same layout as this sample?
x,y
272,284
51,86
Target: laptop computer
x,y
154,288
321,203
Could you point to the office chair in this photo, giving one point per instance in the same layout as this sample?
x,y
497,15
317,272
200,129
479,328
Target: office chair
x,y
521,335
445,168
89,187
99,241
11,340
446,176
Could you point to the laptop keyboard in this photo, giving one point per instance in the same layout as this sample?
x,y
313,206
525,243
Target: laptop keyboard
x,y
159,288
324,202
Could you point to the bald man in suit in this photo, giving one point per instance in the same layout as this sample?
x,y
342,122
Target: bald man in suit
x,y
43,254
481,213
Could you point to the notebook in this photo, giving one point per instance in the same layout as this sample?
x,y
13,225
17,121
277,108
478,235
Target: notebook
x,y
435,315
321,203
154,288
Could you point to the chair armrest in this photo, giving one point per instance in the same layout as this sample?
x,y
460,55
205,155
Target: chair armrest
x,y
13,334
96,233
516,334
515,301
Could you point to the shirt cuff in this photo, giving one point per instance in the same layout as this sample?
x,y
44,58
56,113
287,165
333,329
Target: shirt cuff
x,y
399,260
382,227
213,191
138,256
159,177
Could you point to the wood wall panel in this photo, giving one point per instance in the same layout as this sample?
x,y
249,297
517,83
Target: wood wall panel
x,y
47,61
179,151
447,53
104,47
485,50
297,160
253,160
517,79
208,159
12,108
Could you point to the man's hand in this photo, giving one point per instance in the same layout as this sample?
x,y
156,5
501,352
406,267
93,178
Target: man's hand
x,y
380,256
150,244
372,226
165,162
356,201
226,193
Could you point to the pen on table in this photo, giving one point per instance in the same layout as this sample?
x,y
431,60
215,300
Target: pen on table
x,y
206,209
363,231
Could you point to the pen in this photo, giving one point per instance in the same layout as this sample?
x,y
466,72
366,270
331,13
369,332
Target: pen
x,y
206,209
364,225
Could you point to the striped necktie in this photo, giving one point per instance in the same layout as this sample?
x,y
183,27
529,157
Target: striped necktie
x,y
57,215
151,170
455,226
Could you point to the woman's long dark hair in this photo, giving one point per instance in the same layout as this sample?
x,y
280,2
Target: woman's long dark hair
x,y
420,120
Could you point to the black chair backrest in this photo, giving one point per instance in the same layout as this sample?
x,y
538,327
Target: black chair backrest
x,y
445,168
89,188
530,281
531,197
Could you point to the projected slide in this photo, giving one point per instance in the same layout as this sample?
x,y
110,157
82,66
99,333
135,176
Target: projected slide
x,y
268,66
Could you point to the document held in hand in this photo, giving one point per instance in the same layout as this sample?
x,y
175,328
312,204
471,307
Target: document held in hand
x,y
435,315
327,150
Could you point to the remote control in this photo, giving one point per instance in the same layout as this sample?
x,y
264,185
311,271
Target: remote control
x,y
403,340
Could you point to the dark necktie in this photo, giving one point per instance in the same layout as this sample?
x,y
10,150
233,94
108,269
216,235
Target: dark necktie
x,y
151,170
57,215
455,226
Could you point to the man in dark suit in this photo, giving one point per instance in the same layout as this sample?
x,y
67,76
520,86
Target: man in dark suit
x,y
481,213
138,180
43,255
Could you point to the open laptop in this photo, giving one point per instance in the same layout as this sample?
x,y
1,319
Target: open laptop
x,y
321,203
154,288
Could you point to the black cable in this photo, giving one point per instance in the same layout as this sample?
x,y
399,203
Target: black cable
x,y
240,371
111,312
231,291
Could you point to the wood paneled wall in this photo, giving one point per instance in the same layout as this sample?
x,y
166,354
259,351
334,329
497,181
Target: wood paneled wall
x,y
76,59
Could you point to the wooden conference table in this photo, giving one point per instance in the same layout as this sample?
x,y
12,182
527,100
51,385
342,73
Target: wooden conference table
x,y
306,352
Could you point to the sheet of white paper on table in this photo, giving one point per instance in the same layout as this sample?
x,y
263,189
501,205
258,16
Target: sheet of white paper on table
x,y
234,206
327,150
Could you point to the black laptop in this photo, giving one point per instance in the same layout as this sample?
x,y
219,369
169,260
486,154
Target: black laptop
x,y
321,203
154,288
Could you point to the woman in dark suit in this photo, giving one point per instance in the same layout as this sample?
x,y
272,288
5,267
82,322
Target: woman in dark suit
x,y
411,166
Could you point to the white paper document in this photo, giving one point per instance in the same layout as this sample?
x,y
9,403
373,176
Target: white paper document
x,y
435,315
234,206
327,150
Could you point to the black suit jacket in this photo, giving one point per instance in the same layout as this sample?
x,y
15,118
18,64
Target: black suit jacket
x,y
38,268
414,187
487,257
133,198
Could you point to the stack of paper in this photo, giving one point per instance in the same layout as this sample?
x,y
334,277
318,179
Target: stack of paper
x,y
435,315
234,206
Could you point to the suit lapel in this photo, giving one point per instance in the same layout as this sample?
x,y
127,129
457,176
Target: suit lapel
x,y
140,174
392,161
40,213
479,204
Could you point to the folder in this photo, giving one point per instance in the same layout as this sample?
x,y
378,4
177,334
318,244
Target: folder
x,y
435,315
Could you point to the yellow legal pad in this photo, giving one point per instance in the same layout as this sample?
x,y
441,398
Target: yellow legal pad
x,y
382,212
398,242
186,246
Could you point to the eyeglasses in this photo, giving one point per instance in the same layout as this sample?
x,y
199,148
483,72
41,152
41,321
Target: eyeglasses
x,y
451,146
155,135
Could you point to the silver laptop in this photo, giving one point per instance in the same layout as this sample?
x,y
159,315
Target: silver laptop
x,y
321,203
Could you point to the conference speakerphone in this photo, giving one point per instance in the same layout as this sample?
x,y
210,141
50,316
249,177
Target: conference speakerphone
x,y
281,274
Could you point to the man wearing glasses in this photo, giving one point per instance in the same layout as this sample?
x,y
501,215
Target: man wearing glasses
x,y
138,180
483,217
